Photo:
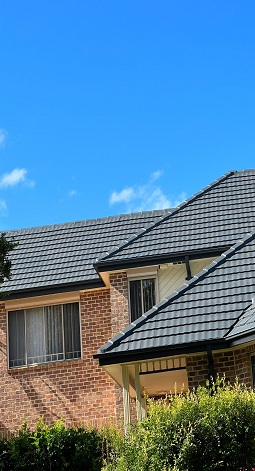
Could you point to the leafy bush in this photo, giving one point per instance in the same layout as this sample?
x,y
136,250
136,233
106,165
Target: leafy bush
x,y
54,448
210,429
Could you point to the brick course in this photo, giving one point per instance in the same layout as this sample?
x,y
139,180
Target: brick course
x,y
78,391
232,365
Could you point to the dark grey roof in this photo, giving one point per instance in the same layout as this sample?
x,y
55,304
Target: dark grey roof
x,y
63,254
202,310
216,217
245,324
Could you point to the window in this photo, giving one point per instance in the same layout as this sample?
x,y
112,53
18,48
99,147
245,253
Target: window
x,y
44,334
142,296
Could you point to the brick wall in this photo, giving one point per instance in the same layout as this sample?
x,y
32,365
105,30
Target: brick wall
x,y
243,364
78,391
119,301
120,320
197,370
231,364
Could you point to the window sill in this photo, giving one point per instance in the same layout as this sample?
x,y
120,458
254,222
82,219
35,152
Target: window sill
x,y
46,366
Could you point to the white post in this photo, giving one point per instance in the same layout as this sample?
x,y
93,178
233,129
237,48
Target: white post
x,y
126,396
144,407
138,393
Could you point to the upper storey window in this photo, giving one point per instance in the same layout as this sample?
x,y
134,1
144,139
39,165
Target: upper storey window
x,y
44,334
142,296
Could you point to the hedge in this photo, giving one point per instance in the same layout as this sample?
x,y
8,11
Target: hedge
x,y
210,429
54,448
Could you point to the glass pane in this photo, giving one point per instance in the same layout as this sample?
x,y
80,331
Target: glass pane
x,y
53,333
148,294
72,331
16,327
35,336
135,299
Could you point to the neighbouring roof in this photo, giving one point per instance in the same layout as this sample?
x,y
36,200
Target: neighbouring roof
x,y
204,310
213,219
60,257
245,324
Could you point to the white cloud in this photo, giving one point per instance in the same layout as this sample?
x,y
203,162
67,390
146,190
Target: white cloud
x,y
3,137
124,196
16,176
145,197
13,178
156,175
3,208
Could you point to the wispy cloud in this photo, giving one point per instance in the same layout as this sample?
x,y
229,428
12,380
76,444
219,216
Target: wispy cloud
x,y
16,176
124,196
72,193
3,208
3,137
156,175
145,197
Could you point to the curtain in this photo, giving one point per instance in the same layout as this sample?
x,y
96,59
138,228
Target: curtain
x,y
16,328
44,334
35,336
72,331
54,333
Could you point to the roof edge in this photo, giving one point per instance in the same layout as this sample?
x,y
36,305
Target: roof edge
x,y
161,219
143,354
42,291
115,341
159,259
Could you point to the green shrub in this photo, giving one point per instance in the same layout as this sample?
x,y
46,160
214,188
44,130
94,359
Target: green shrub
x,y
210,429
54,448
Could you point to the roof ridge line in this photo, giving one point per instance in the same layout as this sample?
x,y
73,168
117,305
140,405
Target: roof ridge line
x,y
177,293
161,219
61,225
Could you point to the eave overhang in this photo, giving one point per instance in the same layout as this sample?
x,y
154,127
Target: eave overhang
x,y
52,289
156,259
110,358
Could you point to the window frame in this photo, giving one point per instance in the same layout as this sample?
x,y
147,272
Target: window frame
x,y
37,306
145,276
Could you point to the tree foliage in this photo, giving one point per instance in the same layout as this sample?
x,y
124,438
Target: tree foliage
x,y
6,246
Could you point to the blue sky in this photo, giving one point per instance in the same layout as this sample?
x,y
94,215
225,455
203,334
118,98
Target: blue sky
x,y
115,106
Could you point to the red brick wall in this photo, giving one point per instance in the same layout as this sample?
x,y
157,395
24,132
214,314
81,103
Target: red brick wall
x,y
224,365
231,364
197,370
120,320
243,364
78,391
119,301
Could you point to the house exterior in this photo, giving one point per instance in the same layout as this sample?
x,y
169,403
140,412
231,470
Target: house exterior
x,y
102,313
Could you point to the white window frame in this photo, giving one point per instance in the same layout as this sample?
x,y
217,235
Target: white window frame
x,y
37,306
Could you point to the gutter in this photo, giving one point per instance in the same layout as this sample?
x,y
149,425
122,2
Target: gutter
x,y
53,289
143,354
103,266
